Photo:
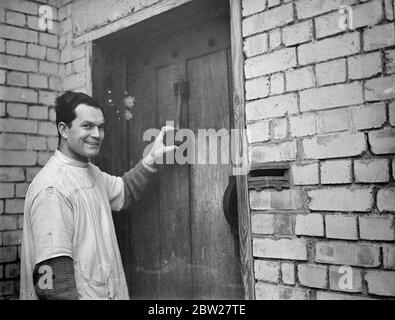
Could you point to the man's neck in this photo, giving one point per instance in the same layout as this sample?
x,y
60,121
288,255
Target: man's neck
x,y
67,152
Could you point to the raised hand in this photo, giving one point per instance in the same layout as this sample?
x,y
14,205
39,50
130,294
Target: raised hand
x,y
159,149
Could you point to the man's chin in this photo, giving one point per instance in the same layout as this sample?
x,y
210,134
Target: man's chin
x,y
93,153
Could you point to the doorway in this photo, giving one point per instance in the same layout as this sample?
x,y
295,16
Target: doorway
x,y
175,242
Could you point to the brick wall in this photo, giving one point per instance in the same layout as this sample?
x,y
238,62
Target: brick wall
x,y
74,60
29,82
316,96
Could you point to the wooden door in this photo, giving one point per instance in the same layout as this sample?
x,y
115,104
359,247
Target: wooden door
x,y
175,243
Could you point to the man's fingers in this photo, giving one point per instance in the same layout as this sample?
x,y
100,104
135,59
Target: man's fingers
x,y
166,129
163,130
170,149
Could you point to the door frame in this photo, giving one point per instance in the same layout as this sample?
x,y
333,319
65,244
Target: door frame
x,y
237,61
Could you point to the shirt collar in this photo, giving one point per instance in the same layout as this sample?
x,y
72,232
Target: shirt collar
x,y
70,161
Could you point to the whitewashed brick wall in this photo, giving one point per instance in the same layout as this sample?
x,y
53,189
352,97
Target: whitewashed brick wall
x,y
74,59
29,83
35,65
340,142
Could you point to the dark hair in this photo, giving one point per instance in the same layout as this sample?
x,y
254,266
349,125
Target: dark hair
x,y
65,106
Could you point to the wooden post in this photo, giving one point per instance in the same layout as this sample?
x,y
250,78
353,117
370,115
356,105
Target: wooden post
x,y
239,122
88,68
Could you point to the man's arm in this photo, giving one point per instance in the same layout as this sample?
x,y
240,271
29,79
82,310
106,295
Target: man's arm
x,y
135,181
138,177
52,223
53,279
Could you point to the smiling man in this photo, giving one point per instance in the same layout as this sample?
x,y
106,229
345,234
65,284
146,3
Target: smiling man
x,y
69,245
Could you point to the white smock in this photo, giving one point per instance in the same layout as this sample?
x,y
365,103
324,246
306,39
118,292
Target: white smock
x,y
68,213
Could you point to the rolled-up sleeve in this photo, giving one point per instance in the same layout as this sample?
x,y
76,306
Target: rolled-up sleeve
x,y
115,190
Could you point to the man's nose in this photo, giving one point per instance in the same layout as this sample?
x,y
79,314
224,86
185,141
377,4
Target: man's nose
x,y
95,132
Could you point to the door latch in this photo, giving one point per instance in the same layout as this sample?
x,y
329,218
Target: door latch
x,y
181,91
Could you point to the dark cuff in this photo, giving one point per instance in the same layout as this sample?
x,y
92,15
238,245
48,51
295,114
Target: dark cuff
x,y
53,279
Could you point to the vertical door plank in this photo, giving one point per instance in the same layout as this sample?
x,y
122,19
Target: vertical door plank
x,y
102,69
214,261
116,139
175,237
143,268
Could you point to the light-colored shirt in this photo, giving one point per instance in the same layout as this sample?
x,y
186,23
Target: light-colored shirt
x,y
68,213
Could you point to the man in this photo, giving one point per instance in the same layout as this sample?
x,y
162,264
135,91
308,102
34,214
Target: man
x,y
69,246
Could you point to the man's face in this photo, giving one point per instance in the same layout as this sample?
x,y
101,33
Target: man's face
x,y
85,134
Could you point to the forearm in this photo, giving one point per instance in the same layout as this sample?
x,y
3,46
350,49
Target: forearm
x,y
135,181
54,279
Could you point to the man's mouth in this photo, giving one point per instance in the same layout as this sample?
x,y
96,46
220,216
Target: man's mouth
x,y
95,144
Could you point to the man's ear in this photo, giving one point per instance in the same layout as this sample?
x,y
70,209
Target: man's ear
x,y
62,128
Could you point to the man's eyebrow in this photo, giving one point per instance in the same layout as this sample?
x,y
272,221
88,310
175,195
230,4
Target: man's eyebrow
x,y
93,123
